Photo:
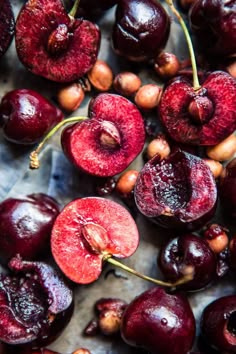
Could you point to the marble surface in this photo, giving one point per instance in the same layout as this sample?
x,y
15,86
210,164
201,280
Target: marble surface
x,y
59,178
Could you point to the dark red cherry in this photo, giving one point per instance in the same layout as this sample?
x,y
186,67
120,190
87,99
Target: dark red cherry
x,y
214,24
7,25
25,226
227,189
218,324
35,306
188,254
26,116
159,322
141,29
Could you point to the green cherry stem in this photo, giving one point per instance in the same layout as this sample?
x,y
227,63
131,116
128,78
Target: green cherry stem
x,y
186,278
74,9
34,160
196,84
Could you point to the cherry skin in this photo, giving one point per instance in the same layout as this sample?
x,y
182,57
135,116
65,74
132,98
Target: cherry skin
x,y
26,116
141,29
25,226
7,26
188,254
218,324
159,322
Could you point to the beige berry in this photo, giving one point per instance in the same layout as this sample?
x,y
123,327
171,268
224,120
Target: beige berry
x,y
232,69
223,151
167,65
216,238
159,146
71,97
101,76
215,166
109,322
126,182
148,96
82,351
127,83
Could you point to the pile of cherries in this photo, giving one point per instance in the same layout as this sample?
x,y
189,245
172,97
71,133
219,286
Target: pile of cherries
x,y
189,170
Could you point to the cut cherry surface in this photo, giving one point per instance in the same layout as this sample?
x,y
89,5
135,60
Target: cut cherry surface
x,y
176,192
25,226
159,322
26,116
106,144
52,44
33,302
88,230
7,25
141,29
202,117
218,324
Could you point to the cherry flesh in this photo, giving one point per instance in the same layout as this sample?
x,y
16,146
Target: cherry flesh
x,y
141,29
159,322
188,254
26,116
36,305
218,324
176,192
7,25
53,44
203,117
88,230
25,226
107,143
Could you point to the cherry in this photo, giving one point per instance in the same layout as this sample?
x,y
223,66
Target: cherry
x,y
7,25
52,43
177,192
25,226
188,254
141,29
227,189
26,116
159,322
218,324
36,305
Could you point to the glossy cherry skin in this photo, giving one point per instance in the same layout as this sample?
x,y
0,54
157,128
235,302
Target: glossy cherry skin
x,y
25,226
214,24
26,116
218,324
227,189
159,322
188,254
141,29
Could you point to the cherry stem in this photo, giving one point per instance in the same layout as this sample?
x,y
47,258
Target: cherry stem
x,y
196,84
122,266
34,160
74,9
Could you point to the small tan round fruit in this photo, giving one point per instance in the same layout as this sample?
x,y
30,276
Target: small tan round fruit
x,y
109,322
148,96
71,97
126,83
126,182
223,151
232,69
82,351
101,76
216,238
167,65
215,166
159,146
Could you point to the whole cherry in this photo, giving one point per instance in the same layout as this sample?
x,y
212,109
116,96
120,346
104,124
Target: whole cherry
x,y
26,116
141,29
